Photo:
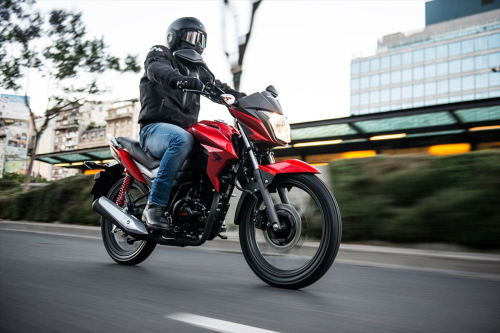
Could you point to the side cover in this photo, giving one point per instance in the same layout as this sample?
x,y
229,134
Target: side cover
x,y
215,137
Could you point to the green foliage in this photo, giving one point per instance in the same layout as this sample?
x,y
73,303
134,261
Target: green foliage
x,y
67,200
20,178
451,199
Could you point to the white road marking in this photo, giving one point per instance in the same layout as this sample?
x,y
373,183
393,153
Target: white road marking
x,y
215,324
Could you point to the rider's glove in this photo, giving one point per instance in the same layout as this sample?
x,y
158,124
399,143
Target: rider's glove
x,y
192,83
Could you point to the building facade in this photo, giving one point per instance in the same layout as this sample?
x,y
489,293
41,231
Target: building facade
x,y
447,62
122,119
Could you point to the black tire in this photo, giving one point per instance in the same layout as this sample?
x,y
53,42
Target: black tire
x,y
327,247
112,245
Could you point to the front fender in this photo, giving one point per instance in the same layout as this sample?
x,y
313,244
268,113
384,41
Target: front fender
x,y
288,166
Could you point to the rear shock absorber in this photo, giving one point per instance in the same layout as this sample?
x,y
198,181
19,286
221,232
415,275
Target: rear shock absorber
x,y
127,183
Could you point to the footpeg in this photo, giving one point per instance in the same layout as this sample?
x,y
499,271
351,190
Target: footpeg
x,y
222,236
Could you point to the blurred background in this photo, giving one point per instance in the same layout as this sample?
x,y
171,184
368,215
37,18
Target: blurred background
x,y
396,102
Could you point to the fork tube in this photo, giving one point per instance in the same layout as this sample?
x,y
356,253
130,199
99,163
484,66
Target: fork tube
x,y
271,212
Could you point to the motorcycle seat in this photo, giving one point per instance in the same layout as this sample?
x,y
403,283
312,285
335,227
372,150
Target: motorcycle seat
x,y
135,149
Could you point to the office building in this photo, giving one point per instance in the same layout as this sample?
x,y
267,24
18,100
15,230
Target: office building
x,y
447,62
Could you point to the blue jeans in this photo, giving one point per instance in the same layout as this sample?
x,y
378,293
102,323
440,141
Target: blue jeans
x,y
172,145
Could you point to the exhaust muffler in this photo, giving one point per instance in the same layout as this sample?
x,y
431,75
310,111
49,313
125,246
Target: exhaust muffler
x,y
114,213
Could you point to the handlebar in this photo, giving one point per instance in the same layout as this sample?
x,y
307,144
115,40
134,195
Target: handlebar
x,y
208,92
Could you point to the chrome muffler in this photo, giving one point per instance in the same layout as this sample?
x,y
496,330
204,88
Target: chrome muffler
x,y
114,213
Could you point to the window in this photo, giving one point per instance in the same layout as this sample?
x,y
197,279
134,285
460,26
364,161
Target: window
x,y
494,79
494,59
418,56
467,64
442,100
385,79
455,84
354,84
374,64
406,58
406,105
442,68
442,87
442,51
406,92
406,73
418,73
354,68
385,95
365,82
454,49
456,98
494,41
385,62
395,77
374,97
481,81
364,66
481,61
364,98
395,60
430,101
430,53
480,43
455,66
374,81
430,88
395,106
430,71
467,46
417,104
482,95
418,90
468,82
396,94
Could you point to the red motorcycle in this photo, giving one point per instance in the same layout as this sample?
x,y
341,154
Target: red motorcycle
x,y
289,221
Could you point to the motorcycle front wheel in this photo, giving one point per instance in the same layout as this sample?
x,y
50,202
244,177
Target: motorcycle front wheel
x,y
303,249
115,239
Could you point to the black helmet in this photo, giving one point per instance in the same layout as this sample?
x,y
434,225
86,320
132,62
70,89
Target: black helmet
x,y
187,33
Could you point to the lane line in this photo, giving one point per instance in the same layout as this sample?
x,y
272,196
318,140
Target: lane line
x,y
215,324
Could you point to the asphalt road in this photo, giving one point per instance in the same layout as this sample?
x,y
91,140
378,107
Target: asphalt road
x,y
69,284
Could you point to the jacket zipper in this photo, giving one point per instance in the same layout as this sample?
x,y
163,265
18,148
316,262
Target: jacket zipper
x,y
161,105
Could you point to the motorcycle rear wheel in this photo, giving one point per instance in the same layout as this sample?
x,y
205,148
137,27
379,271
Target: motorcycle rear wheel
x,y
303,251
115,240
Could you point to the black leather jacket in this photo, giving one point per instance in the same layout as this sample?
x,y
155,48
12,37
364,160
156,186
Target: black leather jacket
x,y
161,101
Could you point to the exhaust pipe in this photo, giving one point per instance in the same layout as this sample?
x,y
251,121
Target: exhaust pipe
x,y
114,213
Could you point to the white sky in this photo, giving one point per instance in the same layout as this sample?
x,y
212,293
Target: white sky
x,y
303,48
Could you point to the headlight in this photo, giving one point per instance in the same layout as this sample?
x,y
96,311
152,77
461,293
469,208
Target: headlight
x,y
279,124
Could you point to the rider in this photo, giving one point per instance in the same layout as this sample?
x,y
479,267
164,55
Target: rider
x,y
167,111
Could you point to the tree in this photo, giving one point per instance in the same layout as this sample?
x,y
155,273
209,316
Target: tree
x,y
56,46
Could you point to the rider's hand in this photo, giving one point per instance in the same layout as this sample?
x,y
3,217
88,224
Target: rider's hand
x,y
192,83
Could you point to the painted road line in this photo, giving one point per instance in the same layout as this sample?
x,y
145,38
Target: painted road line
x,y
215,324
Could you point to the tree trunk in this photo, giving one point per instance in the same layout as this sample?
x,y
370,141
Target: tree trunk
x,y
27,177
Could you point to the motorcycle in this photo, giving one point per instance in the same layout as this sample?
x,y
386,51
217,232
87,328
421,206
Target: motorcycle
x,y
289,221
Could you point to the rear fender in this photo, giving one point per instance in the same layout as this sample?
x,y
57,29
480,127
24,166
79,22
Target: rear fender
x,y
105,179
268,172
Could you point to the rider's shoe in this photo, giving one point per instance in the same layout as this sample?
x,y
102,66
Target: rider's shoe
x,y
155,218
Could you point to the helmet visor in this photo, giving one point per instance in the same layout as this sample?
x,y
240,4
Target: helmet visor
x,y
193,37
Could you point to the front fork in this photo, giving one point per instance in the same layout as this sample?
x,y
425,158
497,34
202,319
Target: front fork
x,y
266,196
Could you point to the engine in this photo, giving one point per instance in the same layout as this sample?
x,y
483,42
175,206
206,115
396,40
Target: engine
x,y
189,215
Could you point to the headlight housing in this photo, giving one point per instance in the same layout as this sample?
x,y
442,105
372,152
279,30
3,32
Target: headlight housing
x,y
279,125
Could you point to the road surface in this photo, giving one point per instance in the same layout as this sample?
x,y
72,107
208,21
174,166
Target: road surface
x,y
54,283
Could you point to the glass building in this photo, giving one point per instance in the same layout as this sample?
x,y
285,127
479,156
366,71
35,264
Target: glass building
x,y
452,61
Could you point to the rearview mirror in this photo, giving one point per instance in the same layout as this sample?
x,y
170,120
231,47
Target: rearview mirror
x,y
273,91
189,57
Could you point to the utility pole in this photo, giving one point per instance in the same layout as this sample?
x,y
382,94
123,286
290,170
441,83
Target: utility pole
x,y
236,60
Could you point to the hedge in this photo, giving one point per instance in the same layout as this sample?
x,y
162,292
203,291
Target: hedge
x,y
407,199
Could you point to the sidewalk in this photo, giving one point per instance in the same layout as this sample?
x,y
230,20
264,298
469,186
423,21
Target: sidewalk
x,y
457,263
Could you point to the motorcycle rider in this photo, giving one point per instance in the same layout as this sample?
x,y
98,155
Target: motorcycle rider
x,y
167,111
